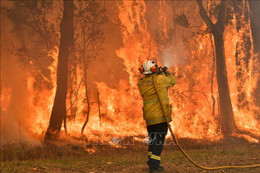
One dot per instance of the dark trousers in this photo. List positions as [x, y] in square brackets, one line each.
[157, 134]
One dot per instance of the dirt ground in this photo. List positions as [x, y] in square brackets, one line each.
[130, 159]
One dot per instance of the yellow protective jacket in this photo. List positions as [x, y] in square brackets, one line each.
[152, 111]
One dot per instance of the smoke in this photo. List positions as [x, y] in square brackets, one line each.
[173, 56]
[14, 117]
[16, 100]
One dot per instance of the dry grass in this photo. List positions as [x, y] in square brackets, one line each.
[73, 158]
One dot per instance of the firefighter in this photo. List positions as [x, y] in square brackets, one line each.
[152, 110]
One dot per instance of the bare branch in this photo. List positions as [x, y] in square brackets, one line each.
[205, 17]
[76, 95]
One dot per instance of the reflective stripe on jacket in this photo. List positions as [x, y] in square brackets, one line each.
[152, 111]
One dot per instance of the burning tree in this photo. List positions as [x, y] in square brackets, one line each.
[66, 42]
[88, 17]
[244, 52]
[217, 30]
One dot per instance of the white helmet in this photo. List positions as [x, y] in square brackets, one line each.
[148, 67]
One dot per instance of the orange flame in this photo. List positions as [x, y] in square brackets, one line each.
[121, 107]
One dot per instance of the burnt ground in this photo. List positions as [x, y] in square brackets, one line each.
[128, 157]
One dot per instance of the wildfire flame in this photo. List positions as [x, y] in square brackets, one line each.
[121, 107]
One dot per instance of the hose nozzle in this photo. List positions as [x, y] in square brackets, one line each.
[162, 70]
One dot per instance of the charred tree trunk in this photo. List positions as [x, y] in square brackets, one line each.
[226, 111]
[217, 29]
[255, 26]
[66, 42]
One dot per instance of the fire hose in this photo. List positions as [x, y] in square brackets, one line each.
[182, 150]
